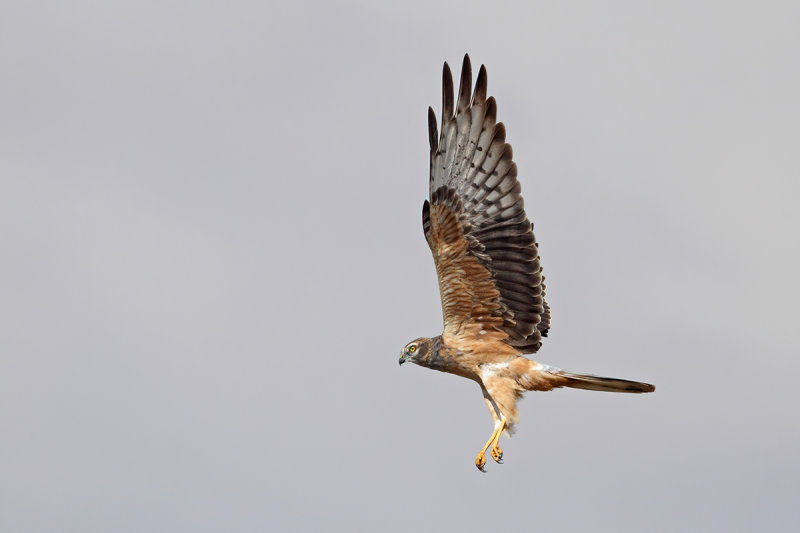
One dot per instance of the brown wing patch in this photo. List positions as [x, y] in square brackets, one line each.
[470, 300]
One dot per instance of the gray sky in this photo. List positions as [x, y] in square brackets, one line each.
[212, 256]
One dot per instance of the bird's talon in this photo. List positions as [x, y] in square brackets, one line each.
[480, 461]
[497, 454]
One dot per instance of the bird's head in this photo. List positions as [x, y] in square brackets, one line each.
[415, 350]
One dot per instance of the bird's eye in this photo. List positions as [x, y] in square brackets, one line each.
[412, 349]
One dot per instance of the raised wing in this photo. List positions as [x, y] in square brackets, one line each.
[483, 245]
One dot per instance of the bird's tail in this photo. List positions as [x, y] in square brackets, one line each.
[563, 378]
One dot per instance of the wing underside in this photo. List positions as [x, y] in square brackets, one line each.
[486, 256]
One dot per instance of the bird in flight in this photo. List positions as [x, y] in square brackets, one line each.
[487, 261]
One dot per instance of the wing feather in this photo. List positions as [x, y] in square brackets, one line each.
[486, 255]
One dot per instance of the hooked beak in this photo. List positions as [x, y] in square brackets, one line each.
[402, 359]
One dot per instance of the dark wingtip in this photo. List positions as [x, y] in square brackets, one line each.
[491, 109]
[465, 84]
[479, 97]
[433, 134]
[447, 93]
[500, 132]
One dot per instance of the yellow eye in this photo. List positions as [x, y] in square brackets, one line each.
[412, 349]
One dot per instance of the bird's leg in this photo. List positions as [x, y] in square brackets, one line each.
[497, 451]
[480, 461]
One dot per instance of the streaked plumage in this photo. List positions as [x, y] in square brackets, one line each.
[487, 262]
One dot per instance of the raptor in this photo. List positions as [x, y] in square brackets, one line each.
[487, 261]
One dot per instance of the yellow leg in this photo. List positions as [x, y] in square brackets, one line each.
[480, 461]
[497, 451]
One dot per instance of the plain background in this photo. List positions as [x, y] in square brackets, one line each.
[212, 255]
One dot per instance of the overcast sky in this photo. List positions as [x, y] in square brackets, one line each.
[212, 255]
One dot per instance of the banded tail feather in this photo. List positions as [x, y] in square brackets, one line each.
[596, 383]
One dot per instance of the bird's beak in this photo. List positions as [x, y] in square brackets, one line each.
[402, 359]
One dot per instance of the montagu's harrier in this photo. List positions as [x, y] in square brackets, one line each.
[487, 261]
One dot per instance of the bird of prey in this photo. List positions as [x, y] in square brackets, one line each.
[487, 261]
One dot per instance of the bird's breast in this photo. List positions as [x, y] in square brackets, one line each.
[458, 362]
